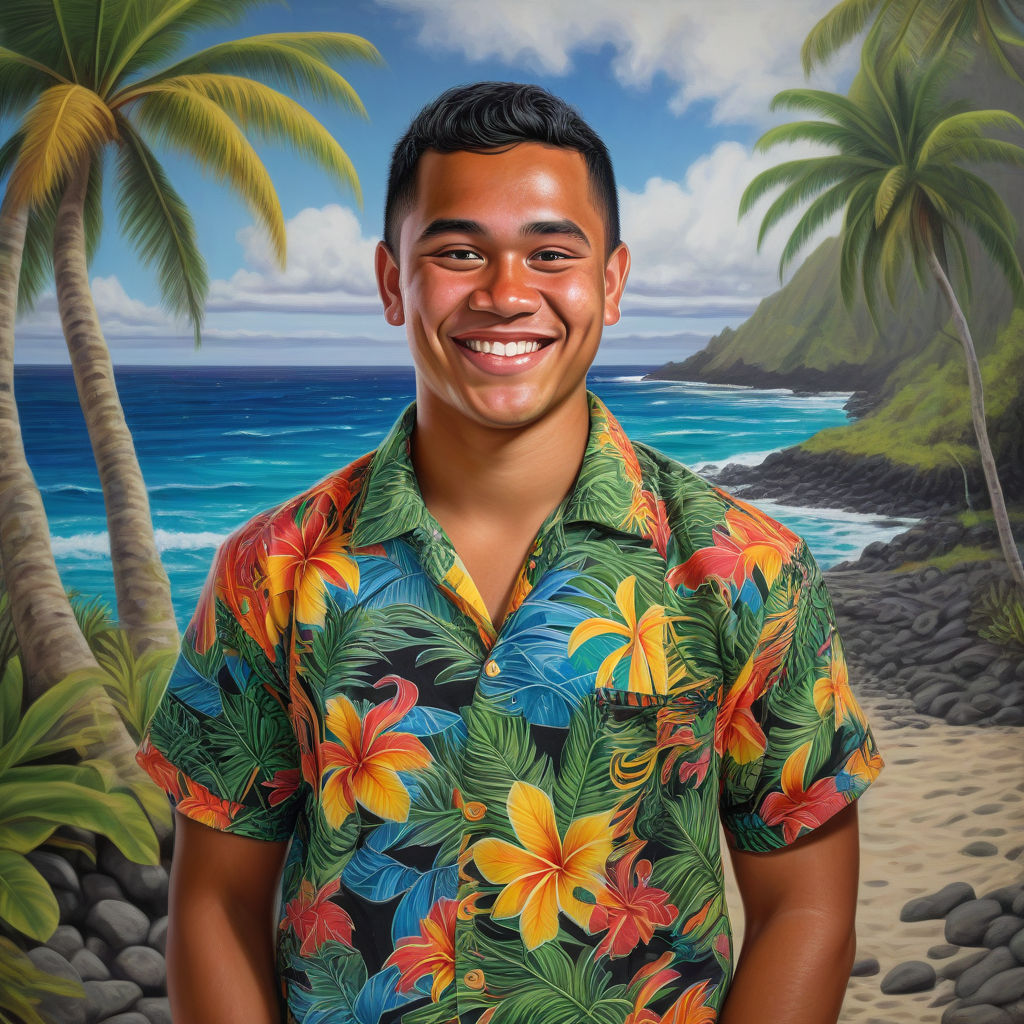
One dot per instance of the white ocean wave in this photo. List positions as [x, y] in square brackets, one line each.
[740, 459]
[93, 545]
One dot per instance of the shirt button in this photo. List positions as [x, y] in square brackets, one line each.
[491, 668]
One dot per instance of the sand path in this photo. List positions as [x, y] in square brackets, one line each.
[943, 787]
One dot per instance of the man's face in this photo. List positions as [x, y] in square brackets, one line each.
[502, 282]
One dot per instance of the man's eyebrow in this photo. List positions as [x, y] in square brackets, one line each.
[557, 227]
[444, 225]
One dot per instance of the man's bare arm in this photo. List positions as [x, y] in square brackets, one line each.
[220, 938]
[799, 906]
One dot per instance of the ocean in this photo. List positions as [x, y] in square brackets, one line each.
[217, 445]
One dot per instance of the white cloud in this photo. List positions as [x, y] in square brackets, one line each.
[329, 269]
[735, 53]
[690, 255]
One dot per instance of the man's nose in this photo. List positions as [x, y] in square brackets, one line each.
[507, 290]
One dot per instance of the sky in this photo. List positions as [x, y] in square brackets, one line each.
[679, 90]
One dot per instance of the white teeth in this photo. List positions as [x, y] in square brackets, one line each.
[498, 348]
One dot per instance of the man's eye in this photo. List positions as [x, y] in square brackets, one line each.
[550, 256]
[459, 254]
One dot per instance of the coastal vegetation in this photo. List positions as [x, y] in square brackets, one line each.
[85, 84]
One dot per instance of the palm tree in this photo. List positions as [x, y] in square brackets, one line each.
[81, 73]
[899, 173]
[925, 26]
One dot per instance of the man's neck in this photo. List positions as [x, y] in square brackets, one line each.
[498, 475]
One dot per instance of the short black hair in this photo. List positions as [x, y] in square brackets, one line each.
[491, 115]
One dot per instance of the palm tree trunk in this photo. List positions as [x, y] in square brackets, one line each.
[988, 462]
[50, 643]
[143, 592]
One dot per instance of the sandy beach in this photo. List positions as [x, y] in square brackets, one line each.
[944, 787]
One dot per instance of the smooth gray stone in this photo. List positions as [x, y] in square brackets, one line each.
[105, 998]
[1002, 988]
[1016, 946]
[157, 937]
[89, 966]
[943, 951]
[993, 963]
[58, 1009]
[976, 1015]
[97, 886]
[937, 904]
[144, 966]
[55, 869]
[145, 883]
[1002, 929]
[911, 976]
[980, 848]
[156, 1009]
[65, 940]
[70, 904]
[1018, 904]
[120, 924]
[96, 945]
[955, 968]
[966, 924]
[1005, 895]
[866, 968]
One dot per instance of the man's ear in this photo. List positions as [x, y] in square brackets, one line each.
[386, 269]
[615, 273]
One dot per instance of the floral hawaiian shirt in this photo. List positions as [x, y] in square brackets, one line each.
[514, 825]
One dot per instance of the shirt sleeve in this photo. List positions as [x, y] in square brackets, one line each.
[795, 745]
[221, 744]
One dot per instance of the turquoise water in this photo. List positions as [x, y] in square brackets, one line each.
[219, 444]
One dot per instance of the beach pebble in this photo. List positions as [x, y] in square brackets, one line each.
[992, 964]
[144, 883]
[937, 904]
[865, 968]
[157, 937]
[97, 886]
[976, 1015]
[142, 965]
[943, 951]
[911, 976]
[105, 998]
[119, 924]
[957, 967]
[1002, 988]
[980, 848]
[1001, 930]
[89, 966]
[156, 1010]
[70, 905]
[55, 869]
[65, 940]
[963, 714]
[97, 946]
[1016, 946]
[1018, 904]
[53, 1008]
[966, 923]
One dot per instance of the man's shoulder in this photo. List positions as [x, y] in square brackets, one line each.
[327, 507]
[708, 522]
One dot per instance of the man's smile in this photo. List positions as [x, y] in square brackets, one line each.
[505, 344]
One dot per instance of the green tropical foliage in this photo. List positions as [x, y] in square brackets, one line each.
[902, 172]
[23, 986]
[998, 615]
[922, 27]
[82, 76]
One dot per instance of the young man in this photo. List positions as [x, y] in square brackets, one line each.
[485, 694]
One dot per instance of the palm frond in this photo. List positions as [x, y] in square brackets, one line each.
[824, 133]
[815, 217]
[22, 79]
[65, 125]
[961, 137]
[858, 222]
[840, 109]
[195, 124]
[154, 30]
[157, 223]
[296, 61]
[268, 114]
[835, 29]
[889, 191]
[815, 173]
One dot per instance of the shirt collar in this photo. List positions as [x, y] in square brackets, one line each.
[608, 490]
